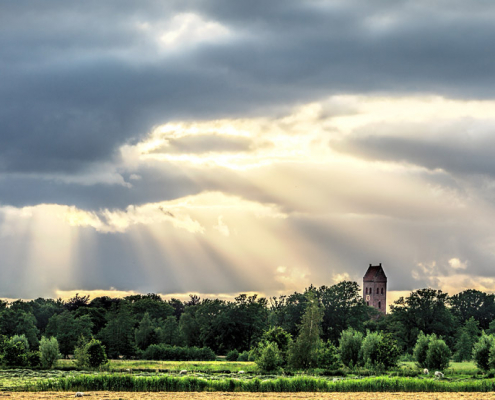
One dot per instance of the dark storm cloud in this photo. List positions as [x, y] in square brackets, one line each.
[457, 153]
[206, 144]
[81, 79]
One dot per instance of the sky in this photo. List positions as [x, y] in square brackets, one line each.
[220, 147]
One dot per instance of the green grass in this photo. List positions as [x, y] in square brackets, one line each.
[175, 366]
[167, 383]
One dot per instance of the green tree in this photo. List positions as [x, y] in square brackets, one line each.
[169, 332]
[118, 334]
[423, 310]
[15, 354]
[370, 349]
[49, 352]
[20, 339]
[481, 351]
[96, 354]
[350, 347]
[269, 359]
[145, 334]
[466, 339]
[303, 353]
[388, 351]
[421, 348]
[279, 336]
[67, 329]
[474, 304]
[343, 307]
[329, 356]
[438, 355]
[26, 325]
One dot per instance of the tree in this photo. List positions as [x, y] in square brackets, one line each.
[438, 355]
[118, 334]
[474, 304]
[420, 349]
[96, 354]
[269, 359]
[169, 332]
[304, 351]
[388, 351]
[328, 356]
[343, 308]
[279, 336]
[423, 310]
[370, 349]
[67, 329]
[49, 352]
[350, 347]
[145, 334]
[15, 353]
[26, 325]
[481, 351]
[466, 339]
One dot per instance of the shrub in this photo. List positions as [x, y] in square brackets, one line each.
[49, 352]
[388, 351]
[34, 359]
[232, 355]
[438, 355]
[96, 354]
[350, 347]
[269, 359]
[175, 353]
[370, 348]
[329, 357]
[481, 351]
[420, 349]
[15, 354]
[244, 356]
[21, 339]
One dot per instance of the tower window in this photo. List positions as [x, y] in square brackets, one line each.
[377, 291]
[367, 303]
[379, 304]
[366, 290]
[382, 290]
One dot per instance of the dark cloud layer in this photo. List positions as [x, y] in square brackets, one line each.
[79, 81]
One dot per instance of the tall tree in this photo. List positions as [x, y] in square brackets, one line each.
[67, 329]
[118, 334]
[304, 351]
[423, 310]
[473, 303]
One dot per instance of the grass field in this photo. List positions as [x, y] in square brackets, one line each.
[251, 396]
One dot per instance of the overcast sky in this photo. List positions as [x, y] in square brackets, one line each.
[219, 146]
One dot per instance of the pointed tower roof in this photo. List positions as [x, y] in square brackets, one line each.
[375, 273]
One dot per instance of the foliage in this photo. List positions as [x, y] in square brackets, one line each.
[167, 352]
[423, 310]
[15, 354]
[328, 356]
[350, 347]
[370, 349]
[20, 339]
[438, 355]
[421, 349]
[232, 355]
[145, 334]
[388, 351]
[244, 356]
[303, 353]
[269, 359]
[49, 352]
[96, 354]
[67, 329]
[481, 351]
[466, 339]
[473, 304]
[118, 334]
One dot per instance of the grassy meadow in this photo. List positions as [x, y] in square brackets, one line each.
[211, 376]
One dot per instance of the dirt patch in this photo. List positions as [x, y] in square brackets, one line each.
[247, 396]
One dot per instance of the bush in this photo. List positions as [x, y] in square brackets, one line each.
[15, 354]
[21, 339]
[438, 355]
[49, 352]
[421, 348]
[96, 354]
[350, 347]
[175, 353]
[232, 355]
[329, 357]
[34, 359]
[370, 348]
[481, 351]
[244, 356]
[269, 359]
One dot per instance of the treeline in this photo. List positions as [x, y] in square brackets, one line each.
[129, 326]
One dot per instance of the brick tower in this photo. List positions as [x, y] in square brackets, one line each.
[375, 288]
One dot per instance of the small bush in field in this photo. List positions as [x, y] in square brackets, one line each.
[244, 356]
[49, 352]
[270, 358]
[96, 354]
[232, 355]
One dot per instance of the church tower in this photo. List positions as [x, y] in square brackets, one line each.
[375, 288]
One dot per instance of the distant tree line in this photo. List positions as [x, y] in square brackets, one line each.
[127, 327]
